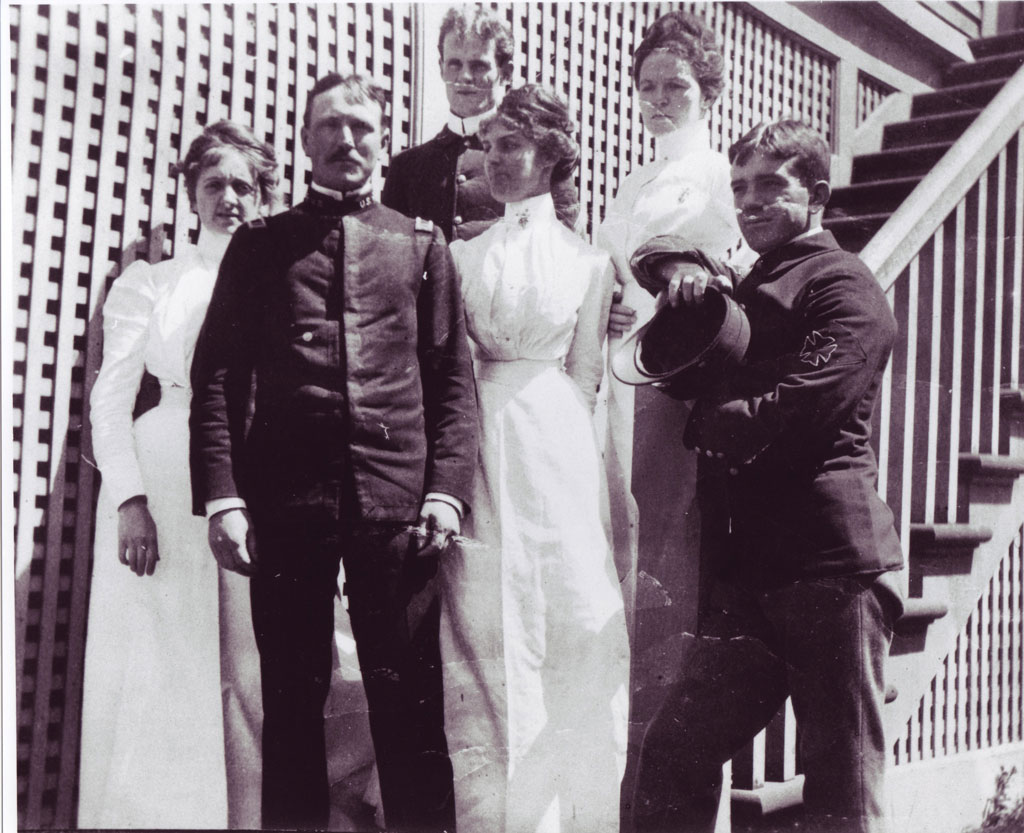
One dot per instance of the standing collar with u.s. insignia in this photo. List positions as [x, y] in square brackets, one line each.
[337, 202]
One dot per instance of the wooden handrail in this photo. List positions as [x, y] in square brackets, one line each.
[908, 229]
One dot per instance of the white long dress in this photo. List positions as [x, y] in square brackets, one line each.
[533, 636]
[171, 702]
[685, 192]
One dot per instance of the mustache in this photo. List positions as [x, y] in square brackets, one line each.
[343, 155]
[470, 85]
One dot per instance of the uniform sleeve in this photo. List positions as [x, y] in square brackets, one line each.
[449, 392]
[845, 332]
[126, 317]
[585, 361]
[222, 374]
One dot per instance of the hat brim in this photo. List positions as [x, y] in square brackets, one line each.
[718, 347]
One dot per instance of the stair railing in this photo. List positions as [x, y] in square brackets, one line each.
[950, 261]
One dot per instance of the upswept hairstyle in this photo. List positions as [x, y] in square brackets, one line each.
[482, 23]
[357, 87]
[784, 140]
[688, 37]
[543, 118]
[205, 151]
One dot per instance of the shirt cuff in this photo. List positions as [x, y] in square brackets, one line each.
[453, 502]
[222, 504]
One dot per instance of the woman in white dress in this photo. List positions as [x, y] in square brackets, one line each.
[533, 636]
[171, 703]
[678, 73]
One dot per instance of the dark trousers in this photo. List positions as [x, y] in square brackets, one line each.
[395, 620]
[824, 642]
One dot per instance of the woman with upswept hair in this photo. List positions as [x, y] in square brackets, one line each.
[534, 641]
[171, 709]
[684, 194]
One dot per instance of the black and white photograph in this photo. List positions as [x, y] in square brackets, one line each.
[513, 417]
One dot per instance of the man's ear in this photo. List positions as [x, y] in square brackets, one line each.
[304, 137]
[505, 73]
[819, 192]
[385, 138]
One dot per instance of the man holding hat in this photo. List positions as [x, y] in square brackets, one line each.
[802, 597]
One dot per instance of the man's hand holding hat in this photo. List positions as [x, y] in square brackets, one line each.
[686, 281]
[691, 341]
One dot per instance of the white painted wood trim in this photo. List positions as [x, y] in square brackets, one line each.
[907, 230]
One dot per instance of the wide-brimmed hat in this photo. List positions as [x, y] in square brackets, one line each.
[689, 345]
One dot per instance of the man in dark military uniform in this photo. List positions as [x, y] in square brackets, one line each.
[443, 179]
[803, 596]
[346, 319]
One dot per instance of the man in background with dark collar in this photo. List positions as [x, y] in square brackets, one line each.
[801, 548]
[348, 318]
[443, 179]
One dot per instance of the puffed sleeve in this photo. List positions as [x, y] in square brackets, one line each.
[584, 362]
[126, 316]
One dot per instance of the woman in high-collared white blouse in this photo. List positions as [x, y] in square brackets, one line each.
[171, 700]
[533, 636]
[678, 73]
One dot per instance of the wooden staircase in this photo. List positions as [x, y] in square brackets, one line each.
[947, 562]
[880, 181]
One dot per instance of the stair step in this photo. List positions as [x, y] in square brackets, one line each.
[771, 798]
[898, 163]
[990, 469]
[884, 196]
[994, 66]
[947, 127]
[954, 99]
[942, 550]
[918, 614]
[910, 631]
[1011, 400]
[997, 44]
[853, 233]
[940, 539]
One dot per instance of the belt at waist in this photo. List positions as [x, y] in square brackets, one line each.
[515, 371]
[174, 396]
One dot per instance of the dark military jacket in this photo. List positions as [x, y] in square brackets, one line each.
[786, 438]
[443, 180]
[347, 320]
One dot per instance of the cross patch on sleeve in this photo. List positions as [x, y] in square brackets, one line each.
[817, 349]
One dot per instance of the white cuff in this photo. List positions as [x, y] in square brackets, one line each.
[222, 504]
[453, 502]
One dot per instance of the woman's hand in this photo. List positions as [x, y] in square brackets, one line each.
[621, 318]
[136, 536]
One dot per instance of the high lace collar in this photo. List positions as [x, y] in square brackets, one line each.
[693, 136]
[211, 246]
[468, 126]
[529, 211]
